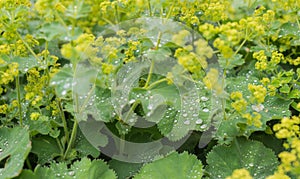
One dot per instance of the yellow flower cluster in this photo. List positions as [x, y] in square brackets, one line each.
[186, 12]
[208, 30]
[190, 60]
[13, 3]
[203, 50]
[181, 38]
[34, 87]
[107, 68]
[45, 7]
[215, 10]
[294, 62]
[258, 93]
[239, 103]
[253, 119]
[3, 108]
[53, 106]
[9, 74]
[276, 58]
[80, 48]
[232, 32]
[132, 47]
[224, 47]
[289, 129]
[211, 81]
[240, 174]
[34, 116]
[287, 4]
[278, 176]
[261, 64]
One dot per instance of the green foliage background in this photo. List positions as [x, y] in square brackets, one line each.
[257, 45]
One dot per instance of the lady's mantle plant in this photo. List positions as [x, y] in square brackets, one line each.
[245, 66]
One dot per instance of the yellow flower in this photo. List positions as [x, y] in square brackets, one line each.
[240, 174]
[211, 81]
[67, 50]
[278, 176]
[236, 95]
[239, 105]
[107, 68]
[253, 120]
[3, 108]
[34, 116]
[60, 7]
[298, 105]
[258, 93]
[15, 103]
[169, 78]
[265, 81]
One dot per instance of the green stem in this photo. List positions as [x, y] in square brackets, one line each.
[46, 61]
[150, 73]
[223, 100]
[117, 14]
[158, 40]
[239, 48]
[152, 61]
[149, 8]
[63, 118]
[19, 99]
[122, 144]
[132, 108]
[72, 139]
[156, 83]
[28, 163]
[60, 146]
[27, 46]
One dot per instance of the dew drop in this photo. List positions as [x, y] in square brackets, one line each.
[203, 126]
[64, 92]
[71, 173]
[131, 101]
[204, 98]
[205, 110]
[199, 121]
[187, 122]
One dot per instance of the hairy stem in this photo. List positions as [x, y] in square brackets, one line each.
[19, 99]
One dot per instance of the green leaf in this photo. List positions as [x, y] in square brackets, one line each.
[90, 129]
[45, 148]
[100, 169]
[229, 63]
[242, 153]
[275, 108]
[62, 81]
[50, 31]
[295, 93]
[80, 169]
[103, 104]
[77, 10]
[14, 148]
[25, 63]
[84, 147]
[124, 169]
[39, 126]
[235, 125]
[174, 165]
[285, 89]
[289, 29]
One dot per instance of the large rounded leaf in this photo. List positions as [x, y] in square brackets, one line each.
[259, 160]
[175, 166]
[14, 148]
